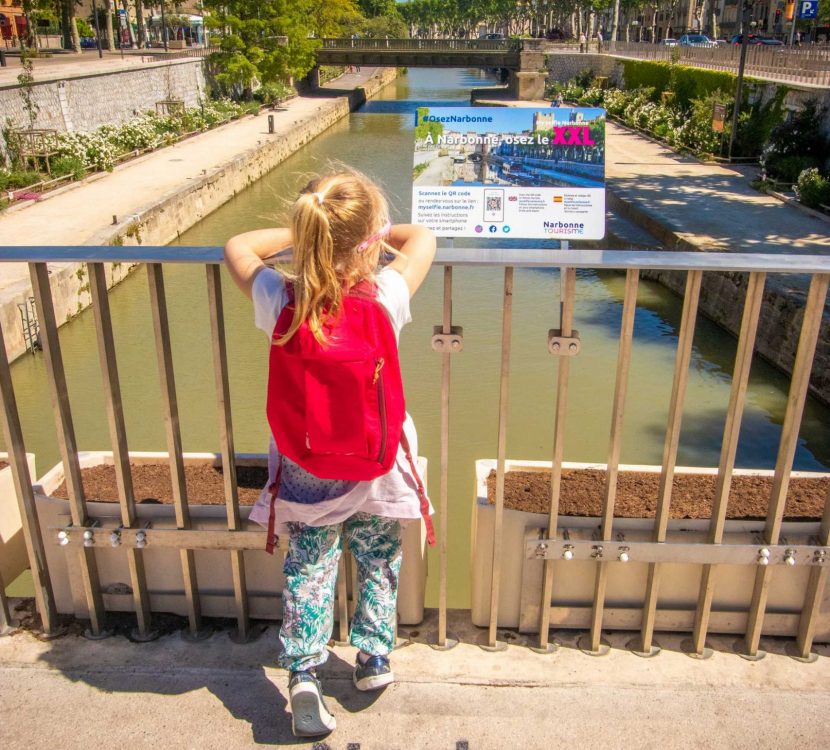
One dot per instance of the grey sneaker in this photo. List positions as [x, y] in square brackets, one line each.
[309, 715]
[374, 674]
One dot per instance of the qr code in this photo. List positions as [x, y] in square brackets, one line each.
[494, 203]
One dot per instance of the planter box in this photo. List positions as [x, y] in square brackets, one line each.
[13, 556]
[573, 581]
[163, 566]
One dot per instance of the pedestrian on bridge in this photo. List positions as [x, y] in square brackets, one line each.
[341, 453]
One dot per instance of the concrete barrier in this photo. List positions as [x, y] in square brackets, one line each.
[264, 576]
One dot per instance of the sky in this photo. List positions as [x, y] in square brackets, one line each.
[507, 119]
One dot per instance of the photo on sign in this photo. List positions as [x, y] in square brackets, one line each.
[519, 171]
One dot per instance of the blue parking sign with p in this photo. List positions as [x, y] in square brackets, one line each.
[808, 9]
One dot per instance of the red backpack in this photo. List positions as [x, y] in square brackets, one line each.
[337, 409]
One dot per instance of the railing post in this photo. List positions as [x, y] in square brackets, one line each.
[681, 374]
[615, 442]
[729, 447]
[13, 439]
[568, 292]
[506, 328]
[164, 355]
[220, 373]
[67, 444]
[118, 438]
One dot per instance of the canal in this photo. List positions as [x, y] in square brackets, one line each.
[378, 140]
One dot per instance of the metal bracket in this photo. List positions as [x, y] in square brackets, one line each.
[563, 346]
[447, 343]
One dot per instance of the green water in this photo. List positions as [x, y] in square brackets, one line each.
[378, 140]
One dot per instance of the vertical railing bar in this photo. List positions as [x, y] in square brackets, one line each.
[446, 328]
[729, 447]
[632, 278]
[13, 439]
[164, 354]
[815, 591]
[66, 439]
[679, 380]
[568, 291]
[220, 371]
[504, 376]
[118, 438]
[799, 384]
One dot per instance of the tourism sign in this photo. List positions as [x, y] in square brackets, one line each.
[808, 9]
[519, 172]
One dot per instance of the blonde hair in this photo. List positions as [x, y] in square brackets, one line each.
[330, 222]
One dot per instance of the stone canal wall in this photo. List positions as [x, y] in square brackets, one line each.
[83, 102]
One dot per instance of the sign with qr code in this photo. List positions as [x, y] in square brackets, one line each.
[519, 172]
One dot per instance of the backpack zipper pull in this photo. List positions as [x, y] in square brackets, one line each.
[378, 367]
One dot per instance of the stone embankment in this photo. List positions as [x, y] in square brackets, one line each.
[151, 201]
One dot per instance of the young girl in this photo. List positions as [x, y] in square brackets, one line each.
[339, 227]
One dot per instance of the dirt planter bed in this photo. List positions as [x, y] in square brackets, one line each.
[525, 519]
[203, 474]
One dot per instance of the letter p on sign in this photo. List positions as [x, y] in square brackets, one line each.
[808, 9]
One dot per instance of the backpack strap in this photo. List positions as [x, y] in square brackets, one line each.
[274, 489]
[422, 495]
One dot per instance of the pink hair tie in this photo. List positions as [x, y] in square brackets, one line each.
[380, 234]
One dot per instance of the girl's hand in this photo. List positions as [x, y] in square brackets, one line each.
[418, 245]
[244, 254]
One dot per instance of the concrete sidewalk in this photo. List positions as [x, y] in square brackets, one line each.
[73, 693]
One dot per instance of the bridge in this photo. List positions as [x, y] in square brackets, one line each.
[523, 59]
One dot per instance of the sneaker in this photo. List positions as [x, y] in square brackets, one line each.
[372, 674]
[309, 715]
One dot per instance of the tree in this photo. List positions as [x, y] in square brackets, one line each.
[71, 38]
[261, 42]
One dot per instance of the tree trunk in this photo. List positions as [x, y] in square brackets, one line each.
[108, 25]
[139, 20]
[615, 22]
[71, 38]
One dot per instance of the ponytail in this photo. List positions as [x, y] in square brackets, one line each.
[331, 218]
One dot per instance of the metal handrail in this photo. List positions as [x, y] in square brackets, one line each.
[444, 342]
[435, 45]
[456, 256]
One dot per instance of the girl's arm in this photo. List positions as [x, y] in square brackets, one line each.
[244, 254]
[417, 244]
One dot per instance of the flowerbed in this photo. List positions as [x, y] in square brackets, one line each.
[79, 153]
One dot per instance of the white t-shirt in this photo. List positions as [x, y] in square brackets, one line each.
[393, 495]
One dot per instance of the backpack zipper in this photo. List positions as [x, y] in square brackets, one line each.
[377, 380]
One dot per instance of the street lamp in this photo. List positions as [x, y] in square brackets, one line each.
[739, 89]
[97, 28]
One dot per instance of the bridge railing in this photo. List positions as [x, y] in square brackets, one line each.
[805, 65]
[799, 558]
[423, 45]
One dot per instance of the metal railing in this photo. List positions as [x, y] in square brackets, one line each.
[446, 341]
[805, 65]
[424, 45]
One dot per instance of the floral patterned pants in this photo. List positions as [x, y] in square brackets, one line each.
[311, 573]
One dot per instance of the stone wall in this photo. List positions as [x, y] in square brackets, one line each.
[562, 67]
[85, 102]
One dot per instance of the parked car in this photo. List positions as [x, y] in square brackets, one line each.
[755, 39]
[695, 40]
[88, 42]
[494, 36]
[669, 42]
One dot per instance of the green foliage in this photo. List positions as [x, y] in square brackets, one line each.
[84, 29]
[689, 84]
[812, 189]
[68, 165]
[799, 137]
[645, 74]
[391, 25]
[276, 92]
[18, 178]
